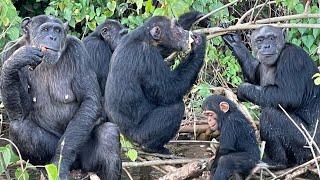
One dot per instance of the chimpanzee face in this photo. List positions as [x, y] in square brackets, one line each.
[212, 118]
[169, 34]
[48, 34]
[112, 32]
[267, 44]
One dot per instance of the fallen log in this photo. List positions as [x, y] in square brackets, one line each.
[190, 170]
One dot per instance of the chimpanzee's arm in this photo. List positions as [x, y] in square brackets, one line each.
[249, 65]
[13, 81]
[86, 90]
[168, 87]
[293, 82]
[187, 19]
[227, 142]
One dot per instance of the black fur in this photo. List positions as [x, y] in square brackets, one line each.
[238, 151]
[291, 87]
[101, 48]
[53, 110]
[143, 96]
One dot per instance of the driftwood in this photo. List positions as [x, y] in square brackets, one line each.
[190, 170]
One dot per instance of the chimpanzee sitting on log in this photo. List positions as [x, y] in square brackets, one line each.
[53, 102]
[280, 73]
[143, 95]
[238, 152]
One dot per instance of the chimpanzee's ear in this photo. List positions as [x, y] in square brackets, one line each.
[155, 33]
[284, 33]
[224, 106]
[104, 32]
[25, 25]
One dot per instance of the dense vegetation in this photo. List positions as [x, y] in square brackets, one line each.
[221, 68]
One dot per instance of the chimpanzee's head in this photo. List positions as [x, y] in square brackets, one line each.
[267, 43]
[47, 33]
[168, 34]
[112, 32]
[216, 108]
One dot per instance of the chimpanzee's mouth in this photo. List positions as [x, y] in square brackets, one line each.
[45, 48]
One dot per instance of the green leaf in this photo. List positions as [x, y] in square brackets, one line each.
[132, 154]
[52, 171]
[13, 33]
[6, 153]
[21, 175]
[67, 14]
[317, 81]
[308, 40]
[159, 12]
[112, 5]
[299, 8]
[316, 75]
[149, 7]
[92, 25]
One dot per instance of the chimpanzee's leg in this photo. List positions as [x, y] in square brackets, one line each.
[102, 153]
[229, 164]
[158, 127]
[35, 144]
[284, 142]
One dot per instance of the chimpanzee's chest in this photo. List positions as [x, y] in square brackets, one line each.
[267, 75]
[47, 87]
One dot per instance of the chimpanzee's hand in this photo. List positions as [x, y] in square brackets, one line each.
[27, 55]
[206, 22]
[242, 91]
[233, 40]
[199, 41]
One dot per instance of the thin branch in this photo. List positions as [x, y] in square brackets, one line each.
[285, 18]
[217, 31]
[128, 173]
[252, 9]
[215, 11]
[159, 162]
[255, 18]
[296, 168]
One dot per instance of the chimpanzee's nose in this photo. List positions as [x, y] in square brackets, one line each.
[53, 38]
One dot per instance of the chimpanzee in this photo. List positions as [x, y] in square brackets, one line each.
[279, 74]
[53, 103]
[100, 45]
[238, 151]
[143, 96]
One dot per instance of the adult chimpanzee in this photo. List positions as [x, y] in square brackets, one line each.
[53, 109]
[143, 96]
[279, 74]
[100, 45]
[238, 151]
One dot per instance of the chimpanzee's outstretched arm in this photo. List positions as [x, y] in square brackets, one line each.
[187, 19]
[249, 65]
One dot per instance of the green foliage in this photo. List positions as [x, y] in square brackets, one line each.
[127, 146]
[10, 158]
[316, 78]
[52, 171]
[9, 22]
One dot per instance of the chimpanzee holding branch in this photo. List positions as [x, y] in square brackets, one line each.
[143, 96]
[101, 43]
[238, 152]
[280, 73]
[53, 102]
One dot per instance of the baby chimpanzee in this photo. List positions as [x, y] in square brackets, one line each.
[238, 151]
